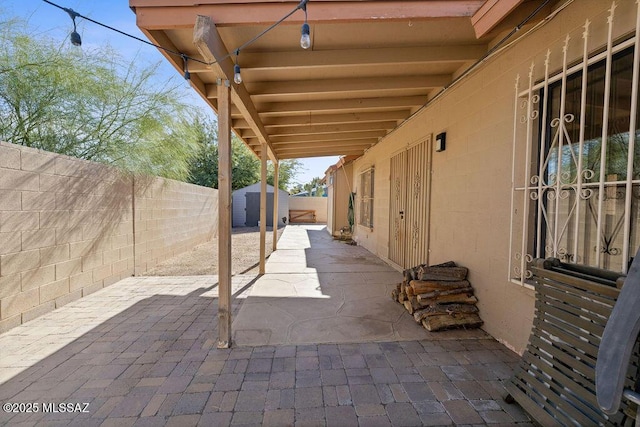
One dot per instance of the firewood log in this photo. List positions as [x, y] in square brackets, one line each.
[411, 305]
[445, 299]
[424, 286]
[394, 294]
[442, 292]
[450, 274]
[445, 321]
[420, 314]
[449, 309]
[443, 265]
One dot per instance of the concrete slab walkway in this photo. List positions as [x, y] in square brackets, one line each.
[142, 353]
[319, 290]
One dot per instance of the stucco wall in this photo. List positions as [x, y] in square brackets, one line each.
[338, 199]
[471, 180]
[319, 204]
[67, 228]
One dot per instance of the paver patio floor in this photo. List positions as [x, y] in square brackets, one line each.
[142, 352]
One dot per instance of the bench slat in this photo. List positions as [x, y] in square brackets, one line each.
[555, 381]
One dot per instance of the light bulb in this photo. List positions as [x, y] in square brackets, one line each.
[237, 78]
[185, 65]
[75, 38]
[305, 40]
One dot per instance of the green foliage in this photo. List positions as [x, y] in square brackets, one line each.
[203, 167]
[313, 188]
[92, 106]
[298, 188]
[245, 166]
[286, 172]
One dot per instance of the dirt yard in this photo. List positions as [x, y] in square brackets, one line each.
[203, 259]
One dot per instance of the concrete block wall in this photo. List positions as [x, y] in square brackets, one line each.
[67, 228]
[171, 217]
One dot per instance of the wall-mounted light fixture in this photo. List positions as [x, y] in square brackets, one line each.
[441, 141]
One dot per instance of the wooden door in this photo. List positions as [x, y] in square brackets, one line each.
[409, 205]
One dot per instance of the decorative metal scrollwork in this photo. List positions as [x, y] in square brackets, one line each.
[396, 230]
[417, 185]
[587, 174]
[586, 193]
[517, 270]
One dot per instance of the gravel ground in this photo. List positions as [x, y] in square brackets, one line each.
[203, 259]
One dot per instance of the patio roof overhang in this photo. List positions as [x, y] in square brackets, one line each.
[371, 65]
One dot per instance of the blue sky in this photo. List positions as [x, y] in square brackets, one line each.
[52, 22]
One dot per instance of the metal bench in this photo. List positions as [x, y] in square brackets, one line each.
[555, 381]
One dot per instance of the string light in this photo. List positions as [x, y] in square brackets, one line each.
[74, 36]
[76, 40]
[187, 74]
[305, 39]
[237, 77]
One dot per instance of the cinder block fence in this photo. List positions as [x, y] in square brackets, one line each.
[70, 227]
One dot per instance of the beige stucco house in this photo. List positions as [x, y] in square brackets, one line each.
[477, 126]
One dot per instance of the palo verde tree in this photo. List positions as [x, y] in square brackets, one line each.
[92, 105]
[245, 166]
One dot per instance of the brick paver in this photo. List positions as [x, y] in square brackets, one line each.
[149, 358]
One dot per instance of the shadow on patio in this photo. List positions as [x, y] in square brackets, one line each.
[142, 352]
[319, 290]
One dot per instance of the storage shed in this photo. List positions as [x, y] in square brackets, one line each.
[246, 206]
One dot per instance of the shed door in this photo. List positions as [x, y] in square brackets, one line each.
[253, 209]
[409, 204]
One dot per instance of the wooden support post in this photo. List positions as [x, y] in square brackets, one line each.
[263, 207]
[276, 190]
[224, 214]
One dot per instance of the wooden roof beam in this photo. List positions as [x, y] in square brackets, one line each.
[330, 136]
[333, 143]
[320, 153]
[331, 128]
[320, 119]
[345, 105]
[362, 57]
[210, 45]
[263, 90]
[491, 14]
[159, 14]
[161, 39]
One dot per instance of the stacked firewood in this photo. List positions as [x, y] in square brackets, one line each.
[438, 296]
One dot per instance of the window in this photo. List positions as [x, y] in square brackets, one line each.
[579, 197]
[366, 199]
